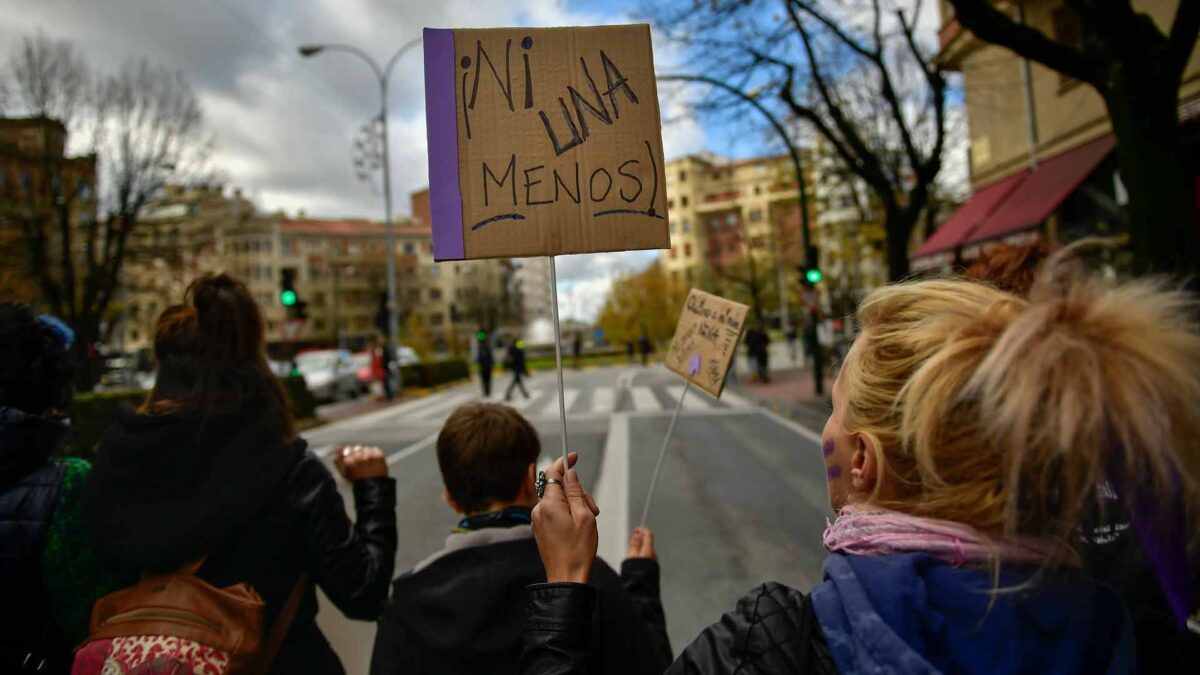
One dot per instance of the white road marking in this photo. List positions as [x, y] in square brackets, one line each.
[413, 448]
[549, 407]
[604, 400]
[696, 399]
[612, 493]
[736, 400]
[644, 400]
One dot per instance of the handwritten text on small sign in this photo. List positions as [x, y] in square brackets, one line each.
[709, 329]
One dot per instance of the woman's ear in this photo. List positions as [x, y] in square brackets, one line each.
[864, 464]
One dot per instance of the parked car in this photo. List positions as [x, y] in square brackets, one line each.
[406, 356]
[330, 374]
[362, 368]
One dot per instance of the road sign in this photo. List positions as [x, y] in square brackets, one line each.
[290, 329]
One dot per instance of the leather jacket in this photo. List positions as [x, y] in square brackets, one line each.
[773, 630]
[169, 489]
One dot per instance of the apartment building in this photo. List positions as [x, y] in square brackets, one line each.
[719, 209]
[37, 178]
[1042, 166]
[340, 268]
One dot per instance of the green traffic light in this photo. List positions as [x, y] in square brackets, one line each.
[288, 298]
[481, 335]
[813, 275]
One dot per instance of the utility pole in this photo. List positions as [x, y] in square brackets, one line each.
[382, 75]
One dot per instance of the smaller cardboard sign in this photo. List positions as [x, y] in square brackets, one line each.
[706, 338]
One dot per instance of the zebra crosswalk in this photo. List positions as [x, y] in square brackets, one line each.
[543, 403]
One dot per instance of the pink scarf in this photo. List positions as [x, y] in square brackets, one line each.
[870, 531]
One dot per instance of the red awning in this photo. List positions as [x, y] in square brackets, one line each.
[1035, 199]
[963, 223]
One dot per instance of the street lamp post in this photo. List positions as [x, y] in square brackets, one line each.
[794, 153]
[382, 75]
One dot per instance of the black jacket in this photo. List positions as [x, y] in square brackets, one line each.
[463, 614]
[168, 489]
[772, 631]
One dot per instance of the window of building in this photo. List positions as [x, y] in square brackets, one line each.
[687, 225]
[731, 219]
[756, 215]
[687, 250]
[714, 222]
[670, 204]
[733, 248]
[133, 335]
[414, 295]
[683, 177]
[435, 271]
[319, 325]
[289, 246]
[758, 189]
[436, 319]
[319, 299]
[435, 294]
[683, 202]
[409, 248]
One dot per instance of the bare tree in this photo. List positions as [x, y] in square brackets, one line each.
[856, 72]
[139, 128]
[49, 78]
[1137, 70]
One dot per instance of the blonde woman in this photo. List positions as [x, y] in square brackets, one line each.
[970, 432]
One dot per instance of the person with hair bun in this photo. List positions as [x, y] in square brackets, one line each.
[49, 573]
[970, 435]
[210, 468]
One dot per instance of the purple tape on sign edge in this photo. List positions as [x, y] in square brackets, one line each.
[441, 124]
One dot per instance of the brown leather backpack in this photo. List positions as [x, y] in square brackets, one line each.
[176, 622]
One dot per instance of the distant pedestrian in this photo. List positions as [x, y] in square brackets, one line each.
[486, 360]
[381, 365]
[758, 345]
[577, 350]
[644, 346]
[514, 360]
[50, 573]
[793, 342]
[209, 480]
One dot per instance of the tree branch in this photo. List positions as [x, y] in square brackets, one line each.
[992, 25]
[1184, 31]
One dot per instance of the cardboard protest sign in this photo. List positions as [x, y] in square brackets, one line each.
[543, 141]
[706, 338]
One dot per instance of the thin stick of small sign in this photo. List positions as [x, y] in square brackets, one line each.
[693, 368]
[562, 404]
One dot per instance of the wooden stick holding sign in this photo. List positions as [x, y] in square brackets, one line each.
[543, 142]
[702, 350]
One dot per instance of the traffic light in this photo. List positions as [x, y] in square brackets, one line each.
[811, 271]
[287, 286]
[481, 335]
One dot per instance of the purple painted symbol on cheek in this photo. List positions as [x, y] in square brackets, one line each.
[827, 447]
[833, 472]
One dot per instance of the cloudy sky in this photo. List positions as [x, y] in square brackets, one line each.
[284, 125]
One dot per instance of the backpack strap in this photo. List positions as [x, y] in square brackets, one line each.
[279, 629]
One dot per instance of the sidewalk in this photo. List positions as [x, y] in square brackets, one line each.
[790, 394]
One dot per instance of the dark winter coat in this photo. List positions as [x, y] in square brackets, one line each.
[168, 489]
[49, 575]
[902, 614]
[462, 613]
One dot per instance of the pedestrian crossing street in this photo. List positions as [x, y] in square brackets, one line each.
[596, 401]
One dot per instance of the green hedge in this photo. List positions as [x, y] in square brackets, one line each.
[433, 373]
[91, 413]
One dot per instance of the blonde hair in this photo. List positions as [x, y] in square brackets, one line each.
[1006, 413]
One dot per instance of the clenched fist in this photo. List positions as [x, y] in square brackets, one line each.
[356, 462]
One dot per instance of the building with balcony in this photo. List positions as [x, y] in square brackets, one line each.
[1041, 151]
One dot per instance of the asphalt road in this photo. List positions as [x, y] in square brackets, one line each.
[741, 496]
